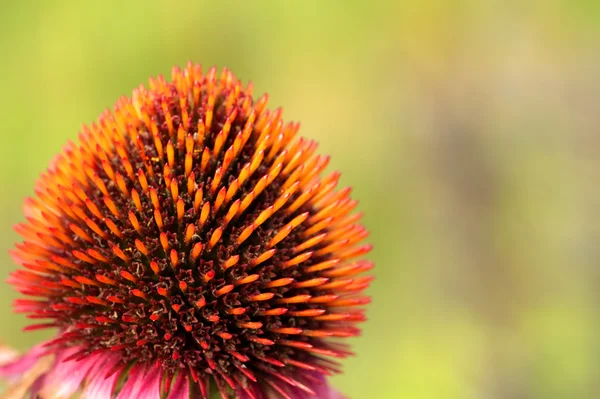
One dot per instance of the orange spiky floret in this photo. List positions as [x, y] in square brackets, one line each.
[189, 227]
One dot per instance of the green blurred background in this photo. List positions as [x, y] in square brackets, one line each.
[468, 129]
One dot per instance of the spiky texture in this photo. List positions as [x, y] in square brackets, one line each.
[191, 229]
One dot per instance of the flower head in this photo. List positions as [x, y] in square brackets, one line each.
[188, 240]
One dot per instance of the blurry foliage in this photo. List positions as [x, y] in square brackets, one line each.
[468, 129]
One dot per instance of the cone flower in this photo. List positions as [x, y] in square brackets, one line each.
[188, 245]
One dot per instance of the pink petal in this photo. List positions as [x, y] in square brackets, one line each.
[181, 388]
[20, 365]
[97, 385]
[66, 377]
[134, 384]
[326, 391]
[151, 386]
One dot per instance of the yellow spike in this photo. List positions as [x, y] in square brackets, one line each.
[322, 162]
[164, 241]
[100, 184]
[244, 174]
[277, 142]
[315, 228]
[332, 247]
[261, 104]
[196, 250]
[248, 128]
[111, 207]
[205, 159]
[189, 233]
[188, 163]
[128, 168]
[122, 185]
[209, 110]
[180, 136]
[328, 264]
[227, 158]
[141, 247]
[219, 141]
[219, 200]
[297, 260]
[154, 198]
[273, 173]
[108, 170]
[78, 211]
[184, 111]
[167, 176]
[95, 228]
[78, 192]
[279, 202]
[246, 202]
[344, 232]
[216, 181]
[158, 219]
[261, 185]
[287, 229]
[119, 253]
[233, 187]
[94, 209]
[347, 206]
[204, 214]
[174, 258]
[264, 215]
[293, 177]
[159, 147]
[263, 257]
[134, 222]
[191, 184]
[245, 234]
[237, 143]
[170, 154]
[325, 212]
[216, 236]
[324, 190]
[88, 170]
[246, 280]
[180, 209]
[309, 243]
[264, 127]
[174, 189]
[200, 134]
[342, 195]
[113, 227]
[280, 158]
[168, 117]
[197, 200]
[297, 221]
[301, 200]
[143, 180]
[256, 160]
[189, 144]
[97, 255]
[135, 198]
[348, 220]
[231, 213]
[283, 233]
[232, 261]
[282, 282]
